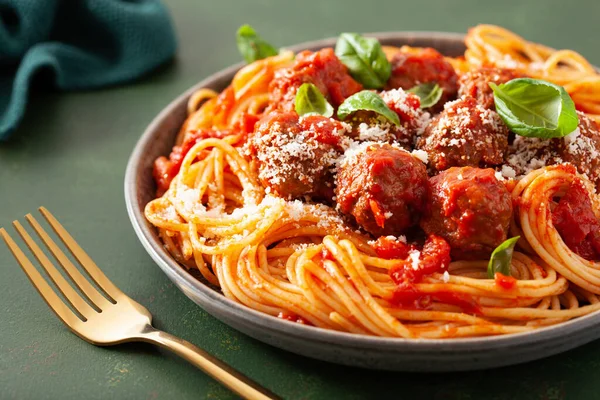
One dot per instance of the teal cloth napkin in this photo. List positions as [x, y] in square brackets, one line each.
[85, 44]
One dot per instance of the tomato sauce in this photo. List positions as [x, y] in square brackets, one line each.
[575, 221]
[435, 257]
[246, 123]
[324, 255]
[327, 130]
[505, 282]
[406, 115]
[390, 248]
[409, 297]
[321, 68]
[378, 213]
[425, 65]
[225, 103]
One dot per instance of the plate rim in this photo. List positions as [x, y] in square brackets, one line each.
[253, 317]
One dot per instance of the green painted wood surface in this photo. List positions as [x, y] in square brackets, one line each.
[70, 156]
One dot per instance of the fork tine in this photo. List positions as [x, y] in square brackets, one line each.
[82, 283]
[65, 288]
[86, 262]
[61, 310]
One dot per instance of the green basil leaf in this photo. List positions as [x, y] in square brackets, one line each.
[369, 101]
[429, 93]
[364, 58]
[310, 101]
[251, 46]
[501, 258]
[535, 108]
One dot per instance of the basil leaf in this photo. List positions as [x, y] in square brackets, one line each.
[429, 93]
[310, 101]
[535, 108]
[367, 100]
[251, 46]
[364, 58]
[501, 257]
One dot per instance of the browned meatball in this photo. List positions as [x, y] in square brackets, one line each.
[465, 134]
[470, 209]
[383, 187]
[370, 126]
[476, 83]
[321, 68]
[295, 155]
[580, 148]
[411, 68]
[526, 154]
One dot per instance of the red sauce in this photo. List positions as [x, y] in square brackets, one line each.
[411, 102]
[327, 130]
[225, 103]
[378, 213]
[388, 248]
[246, 123]
[424, 65]
[408, 296]
[321, 68]
[575, 221]
[505, 282]
[325, 254]
[435, 257]
[293, 318]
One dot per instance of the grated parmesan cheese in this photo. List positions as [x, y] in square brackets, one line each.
[446, 277]
[281, 153]
[527, 154]
[579, 144]
[413, 256]
[508, 172]
[420, 155]
[375, 133]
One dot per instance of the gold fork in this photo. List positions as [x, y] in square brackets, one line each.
[110, 317]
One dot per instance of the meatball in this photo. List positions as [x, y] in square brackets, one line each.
[476, 84]
[383, 187]
[465, 134]
[370, 126]
[321, 68]
[582, 148]
[295, 155]
[471, 209]
[411, 68]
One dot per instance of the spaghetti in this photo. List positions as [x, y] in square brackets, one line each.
[302, 260]
[493, 45]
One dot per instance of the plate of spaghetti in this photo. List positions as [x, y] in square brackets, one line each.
[411, 201]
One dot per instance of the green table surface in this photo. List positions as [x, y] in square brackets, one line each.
[70, 155]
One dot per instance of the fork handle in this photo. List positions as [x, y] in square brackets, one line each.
[229, 377]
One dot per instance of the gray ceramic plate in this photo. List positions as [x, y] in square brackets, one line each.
[343, 348]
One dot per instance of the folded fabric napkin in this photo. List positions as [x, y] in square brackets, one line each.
[85, 43]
